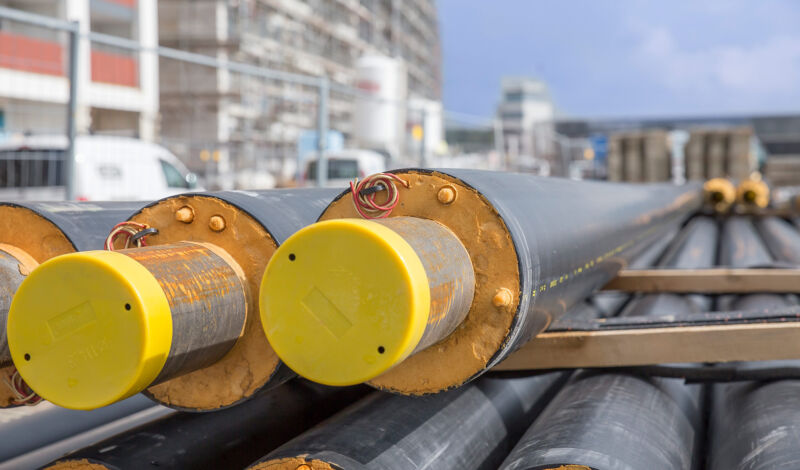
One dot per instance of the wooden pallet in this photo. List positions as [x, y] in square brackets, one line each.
[711, 337]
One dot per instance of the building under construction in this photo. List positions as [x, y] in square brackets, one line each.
[249, 116]
[423, 318]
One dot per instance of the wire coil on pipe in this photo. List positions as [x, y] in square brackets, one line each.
[364, 195]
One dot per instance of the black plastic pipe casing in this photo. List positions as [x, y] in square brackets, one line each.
[695, 247]
[85, 224]
[610, 303]
[754, 425]
[621, 421]
[470, 428]
[231, 438]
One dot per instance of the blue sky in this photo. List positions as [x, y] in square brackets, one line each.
[626, 58]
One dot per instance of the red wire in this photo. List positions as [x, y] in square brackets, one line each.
[109, 245]
[368, 203]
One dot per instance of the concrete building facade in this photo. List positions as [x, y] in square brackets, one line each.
[525, 114]
[249, 122]
[117, 89]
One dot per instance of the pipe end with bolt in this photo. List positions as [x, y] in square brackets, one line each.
[185, 214]
[216, 223]
[446, 195]
[502, 298]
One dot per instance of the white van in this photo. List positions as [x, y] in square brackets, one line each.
[106, 169]
[346, 165]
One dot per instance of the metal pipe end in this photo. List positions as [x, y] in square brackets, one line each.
[89, 329]
[343, 301]
[502, 298]
[753, 193]
[216, 223]
[720, 193]
[185, 214]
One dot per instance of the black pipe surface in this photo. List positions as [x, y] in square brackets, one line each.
[755, 425]
[25, 430]
[473, 427]
[611, 303]
[695, 247]
[782, 239]
[281, 212]
[231, 438]
[85, 224]
[622, 421]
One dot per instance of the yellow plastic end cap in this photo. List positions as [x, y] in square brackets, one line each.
[343, 301]
[753, 192]
[719, 191]
[89, 329]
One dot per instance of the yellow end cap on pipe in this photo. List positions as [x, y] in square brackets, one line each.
[343, 301]
[720, 192]
[89, 329]
[753, 192]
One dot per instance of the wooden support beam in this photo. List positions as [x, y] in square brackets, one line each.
[707, 281]
[634, 347]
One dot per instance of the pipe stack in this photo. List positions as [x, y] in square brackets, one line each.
[640, 157]
[33, 232]
[231, 438]
[177, 319]
[471, 428]
[713, 153]
[754, 425]
[609, 421]
[332, 289]
[610, 303]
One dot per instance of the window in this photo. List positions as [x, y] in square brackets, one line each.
[512, 115]
[110, 172]
[517, 96]
[337, 169]
[22, 168]
[175, 178]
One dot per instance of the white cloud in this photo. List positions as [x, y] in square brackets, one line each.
[769, 68]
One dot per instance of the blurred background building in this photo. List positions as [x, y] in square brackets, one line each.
[245, 93]
[231, 87]
[526, 114]
[260, 122]
[118, 89]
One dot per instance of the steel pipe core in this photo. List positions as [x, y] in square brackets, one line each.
[89, 329]
[343, 301]
[15, 264]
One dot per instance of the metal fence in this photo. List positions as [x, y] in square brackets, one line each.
[81, 107]
[90, 115]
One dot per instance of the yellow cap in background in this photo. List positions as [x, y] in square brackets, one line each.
[89, 329]
[720, 193]
[342, 301]
[753, 192]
